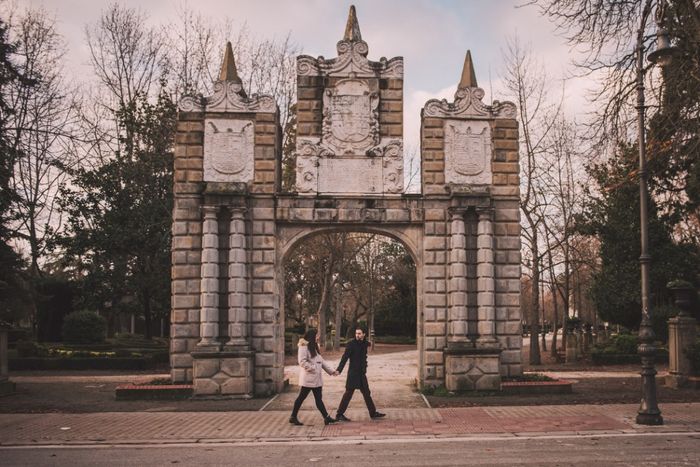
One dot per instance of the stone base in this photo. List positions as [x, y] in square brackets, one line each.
[472, 369]
[676, 381]
[228, 374]
[6, 387]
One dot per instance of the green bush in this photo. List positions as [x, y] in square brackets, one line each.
[84, 327]
[659, 320]
[126, 340]
[621, 344]
[31, 349]
[693, 354]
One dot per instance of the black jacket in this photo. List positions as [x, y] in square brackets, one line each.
[356, 351]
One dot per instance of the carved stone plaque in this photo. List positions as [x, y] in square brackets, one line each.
[468, 152]
[350, 175]
[228, 150]
[350, 118]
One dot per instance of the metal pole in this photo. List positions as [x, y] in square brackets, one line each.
[649, 413]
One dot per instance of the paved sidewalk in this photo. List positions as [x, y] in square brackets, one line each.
[391, 380]
[168, 427]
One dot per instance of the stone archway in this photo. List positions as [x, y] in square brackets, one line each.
[410, 236]
[233, 224]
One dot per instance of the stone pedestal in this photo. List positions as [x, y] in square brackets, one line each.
[6, 386]
[227, 374]
[587, 340]
[681, 334]
[572, 347]
[472, 369]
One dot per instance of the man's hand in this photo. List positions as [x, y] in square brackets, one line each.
[336, 373]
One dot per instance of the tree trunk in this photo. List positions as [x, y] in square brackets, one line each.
[544, 320]
[323, 305]
[147, 313]
[338, 324]
[535, 358]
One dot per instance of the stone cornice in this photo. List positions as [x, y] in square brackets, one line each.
[352, 60]
[228, 97]
[468, 104]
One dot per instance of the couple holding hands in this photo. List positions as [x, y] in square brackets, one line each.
[311, 365]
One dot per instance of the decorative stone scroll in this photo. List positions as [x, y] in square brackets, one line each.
[468, 152]
[352, 59]
[228, 150]
[228, 97]
[468, 104]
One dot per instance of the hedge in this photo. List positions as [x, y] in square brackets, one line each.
[601, 358]
[82, 363]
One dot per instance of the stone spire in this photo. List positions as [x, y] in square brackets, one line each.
[352, 28]
[468, 76]
[228, 66]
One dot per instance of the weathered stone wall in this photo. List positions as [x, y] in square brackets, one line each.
[191, 194]
[186, 243]
[505, 194]
[470, 182]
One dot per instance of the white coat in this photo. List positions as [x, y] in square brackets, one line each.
[310, 374]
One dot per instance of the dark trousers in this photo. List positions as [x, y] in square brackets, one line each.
[317, 396]
[364, 389]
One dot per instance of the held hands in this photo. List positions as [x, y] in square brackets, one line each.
[335, 373]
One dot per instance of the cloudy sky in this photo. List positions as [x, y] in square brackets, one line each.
[432, 36]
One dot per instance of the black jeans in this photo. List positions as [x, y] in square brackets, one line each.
[317, 396]
[364, 389]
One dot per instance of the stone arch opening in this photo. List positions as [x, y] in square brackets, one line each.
[385, 245]
[407, 236]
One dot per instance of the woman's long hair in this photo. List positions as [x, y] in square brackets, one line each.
[310, 337]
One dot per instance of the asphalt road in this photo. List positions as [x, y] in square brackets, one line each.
[633, 450]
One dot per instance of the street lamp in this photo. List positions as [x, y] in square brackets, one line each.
[649, 413]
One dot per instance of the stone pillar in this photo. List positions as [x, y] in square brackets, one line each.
[237, 283]
[681, 334]
[571, 347]
[209, 300]
[6, 386]
[486, 300]
[457, 320]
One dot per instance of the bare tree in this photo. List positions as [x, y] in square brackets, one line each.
[526, 82]
[125, 53]
[194, 48]
[42, 121]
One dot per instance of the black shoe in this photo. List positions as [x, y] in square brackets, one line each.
[295, 421]
[328, 420]
[342, 418]
[377, 415]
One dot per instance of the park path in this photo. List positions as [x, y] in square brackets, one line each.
[113, 428]
[391, 379]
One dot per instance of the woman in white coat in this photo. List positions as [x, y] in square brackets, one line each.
[311, 365]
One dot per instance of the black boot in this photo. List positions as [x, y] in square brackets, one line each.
[295, 421]
[341, 418]
[328, 420]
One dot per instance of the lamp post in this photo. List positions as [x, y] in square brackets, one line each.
[649, 413]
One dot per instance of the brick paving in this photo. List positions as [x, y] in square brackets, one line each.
[170, 427]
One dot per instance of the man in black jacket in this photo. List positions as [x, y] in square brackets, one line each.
[356, 351]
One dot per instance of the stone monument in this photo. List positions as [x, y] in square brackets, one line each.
[234, 226]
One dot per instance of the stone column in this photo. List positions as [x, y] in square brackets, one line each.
[237, 283]
[486, 289]
[6, 386]
[209, 288]
[457, 320]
